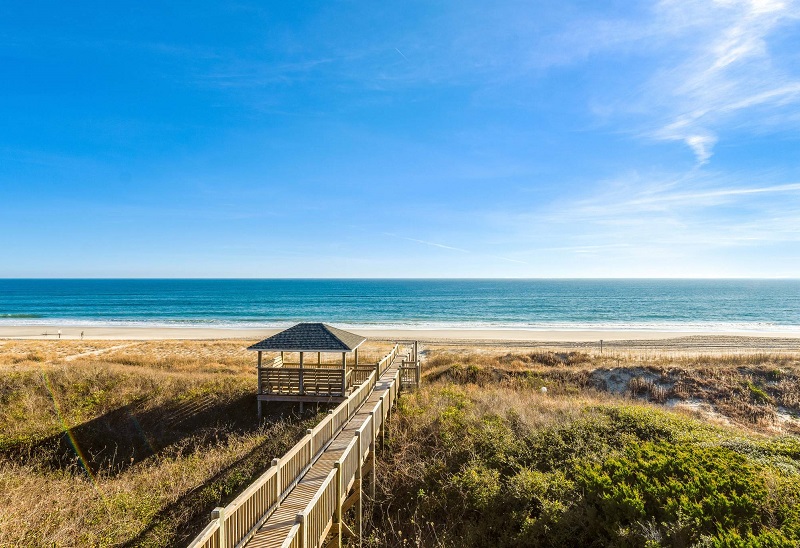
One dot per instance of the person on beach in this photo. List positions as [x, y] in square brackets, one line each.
[59, 333]
[81, 335]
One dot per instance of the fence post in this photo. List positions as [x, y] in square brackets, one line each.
[310, 434]
[374, 462]
[383, 423]
[218, 514]
[277, 480]
[359, 510]
[337, 516]
[301, 519]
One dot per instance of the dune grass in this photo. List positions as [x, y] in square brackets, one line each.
[130, 444]
[133, 443]
[480, 456]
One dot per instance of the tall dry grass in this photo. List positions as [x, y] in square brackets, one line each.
[756, 390]
[130, 444]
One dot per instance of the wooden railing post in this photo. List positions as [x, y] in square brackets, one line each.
[275, 463]
[218, 514]
[310, 434]
[359, 504]
[337, 516]
[372, 451]
[383, 423]
[344, 374]
[303, 534]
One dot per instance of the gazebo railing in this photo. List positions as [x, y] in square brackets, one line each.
[298, 381]
[288, 379]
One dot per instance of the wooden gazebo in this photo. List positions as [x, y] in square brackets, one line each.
[323, 381]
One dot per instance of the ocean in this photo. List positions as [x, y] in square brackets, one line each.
[681, 305]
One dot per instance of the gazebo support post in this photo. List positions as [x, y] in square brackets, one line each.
[258, 390]
[344, 373]
[301, 387]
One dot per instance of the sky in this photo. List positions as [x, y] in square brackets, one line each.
[400, 139]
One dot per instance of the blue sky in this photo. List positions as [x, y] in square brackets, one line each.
[400, 139]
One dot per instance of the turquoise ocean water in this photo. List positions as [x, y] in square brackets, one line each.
[702, 305]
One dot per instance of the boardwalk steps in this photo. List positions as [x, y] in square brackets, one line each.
[302, 497]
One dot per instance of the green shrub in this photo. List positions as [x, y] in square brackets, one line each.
[614, 475]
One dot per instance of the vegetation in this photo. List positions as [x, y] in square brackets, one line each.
[480, 456]
[133, 443]
[129, 444]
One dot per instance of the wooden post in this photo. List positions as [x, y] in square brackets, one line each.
[218, 514]
[359, 510]
[319, 358]
[301, 519]
[416, 347]
[275, 463]
[258, 377]
[418, 369]
[344, 373]
[383, 423]
[356, 357]
[300, 386]
[310, 433]
[372, 450]
[337, 515]
[258, 387]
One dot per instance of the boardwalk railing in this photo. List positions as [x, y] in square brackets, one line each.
[410, 373]
[233, 525]
[325, 510]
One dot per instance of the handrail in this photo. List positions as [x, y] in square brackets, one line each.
[208, 537]
[313, 523]
[235, 524]
[293, 538]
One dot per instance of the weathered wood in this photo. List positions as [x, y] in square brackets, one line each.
[309, 490]
[344, 372]
[218, 514]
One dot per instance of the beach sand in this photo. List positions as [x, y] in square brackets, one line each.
[664, 340]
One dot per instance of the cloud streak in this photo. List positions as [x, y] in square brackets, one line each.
[727, 68]
[452, 248]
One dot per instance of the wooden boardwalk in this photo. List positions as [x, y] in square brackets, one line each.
[300, 501]
[278, 528]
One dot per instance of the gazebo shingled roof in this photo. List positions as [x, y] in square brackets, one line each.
[311, 337]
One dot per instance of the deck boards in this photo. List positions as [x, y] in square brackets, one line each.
[277, 527]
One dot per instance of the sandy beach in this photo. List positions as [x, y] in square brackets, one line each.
[668, 340]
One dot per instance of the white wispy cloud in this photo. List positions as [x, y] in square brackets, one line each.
[725, 68]
[637, 198]
[426, 242]
[459, 249]
[678, 224]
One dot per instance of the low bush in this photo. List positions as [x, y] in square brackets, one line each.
[598, 474]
